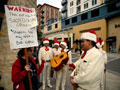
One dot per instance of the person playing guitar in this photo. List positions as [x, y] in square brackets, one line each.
[61, 74]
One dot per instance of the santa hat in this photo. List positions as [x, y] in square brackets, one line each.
[56, 43]
[45, 40]
[91, 35]
[101, 42]
[64, 43]
[98, 44]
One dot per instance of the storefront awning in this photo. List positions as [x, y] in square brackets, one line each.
[111, 39]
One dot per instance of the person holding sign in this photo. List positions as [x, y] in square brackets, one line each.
[20, 71]
[46, 54]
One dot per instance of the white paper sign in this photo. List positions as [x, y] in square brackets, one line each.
[20, 17]
[21, 29]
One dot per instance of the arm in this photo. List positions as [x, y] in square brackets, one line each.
[70, 57]
[40, 56]
[17, 74]
[40, 68]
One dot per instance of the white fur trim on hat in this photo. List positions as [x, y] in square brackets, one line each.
[44, 42]
[63, 43]
[89, 36]
[98, 45]
[56, 44]
[102, 43]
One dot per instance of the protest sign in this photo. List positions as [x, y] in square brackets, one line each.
[22, 24]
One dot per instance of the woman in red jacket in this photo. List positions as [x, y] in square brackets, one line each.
[20, 71]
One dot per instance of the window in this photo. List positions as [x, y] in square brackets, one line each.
[56, 17]
[67, 22]
[47, 14]
[74, 19]
[51, 15]
[49, 28]
[85, 5]
[94, 2]
[84, 16]
[47, 9]
[51, 10]
[113, 7]
[95, 13]
[71, 11]
[71, 3]
[47, 19]
[78, 2]
[56, 12]
[78, 9]
[56, 25]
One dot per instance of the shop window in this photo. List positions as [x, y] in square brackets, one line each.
[74, 19]
[95, 13]
[84, 16]
[67, 22]
[49, 28]
[56, 25]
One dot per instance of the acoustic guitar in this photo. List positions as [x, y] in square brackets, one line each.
[60, 60]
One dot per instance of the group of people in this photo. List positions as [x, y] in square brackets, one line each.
[87, 72]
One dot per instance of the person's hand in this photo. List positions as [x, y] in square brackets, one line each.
[34, 58]
[72, 82]
[27, 67]
[71, 68]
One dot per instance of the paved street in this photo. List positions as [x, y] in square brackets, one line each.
[112, 75]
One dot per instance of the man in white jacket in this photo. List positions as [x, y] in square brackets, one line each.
[88, 69]
[100, 45]
[61, 74]
[46, 54]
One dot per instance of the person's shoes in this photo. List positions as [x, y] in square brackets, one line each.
[50, 86]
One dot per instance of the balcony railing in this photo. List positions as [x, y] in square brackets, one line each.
[64, 9]
[64, 2]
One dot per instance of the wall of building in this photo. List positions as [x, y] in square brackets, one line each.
[53, 27]
[99, 26]
[71, 9]
[8, 56]
[48, 14]
[114, 30]
[89, 4]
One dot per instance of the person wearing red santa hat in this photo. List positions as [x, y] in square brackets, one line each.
[46, 54]
[56, 49]
[61, 74]
[86, 75]
[100, 46]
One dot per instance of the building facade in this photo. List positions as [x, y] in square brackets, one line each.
[105, 9]
[73, 7]
[54, 30]
[47, 14]
[100, 27]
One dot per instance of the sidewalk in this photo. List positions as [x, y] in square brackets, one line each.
[114, 55]
[112, 81]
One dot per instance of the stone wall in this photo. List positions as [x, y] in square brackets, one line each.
[8, 56]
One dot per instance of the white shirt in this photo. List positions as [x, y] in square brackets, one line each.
[45, 55]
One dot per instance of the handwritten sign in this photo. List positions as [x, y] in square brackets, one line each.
[20, 17]
[22, 24]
